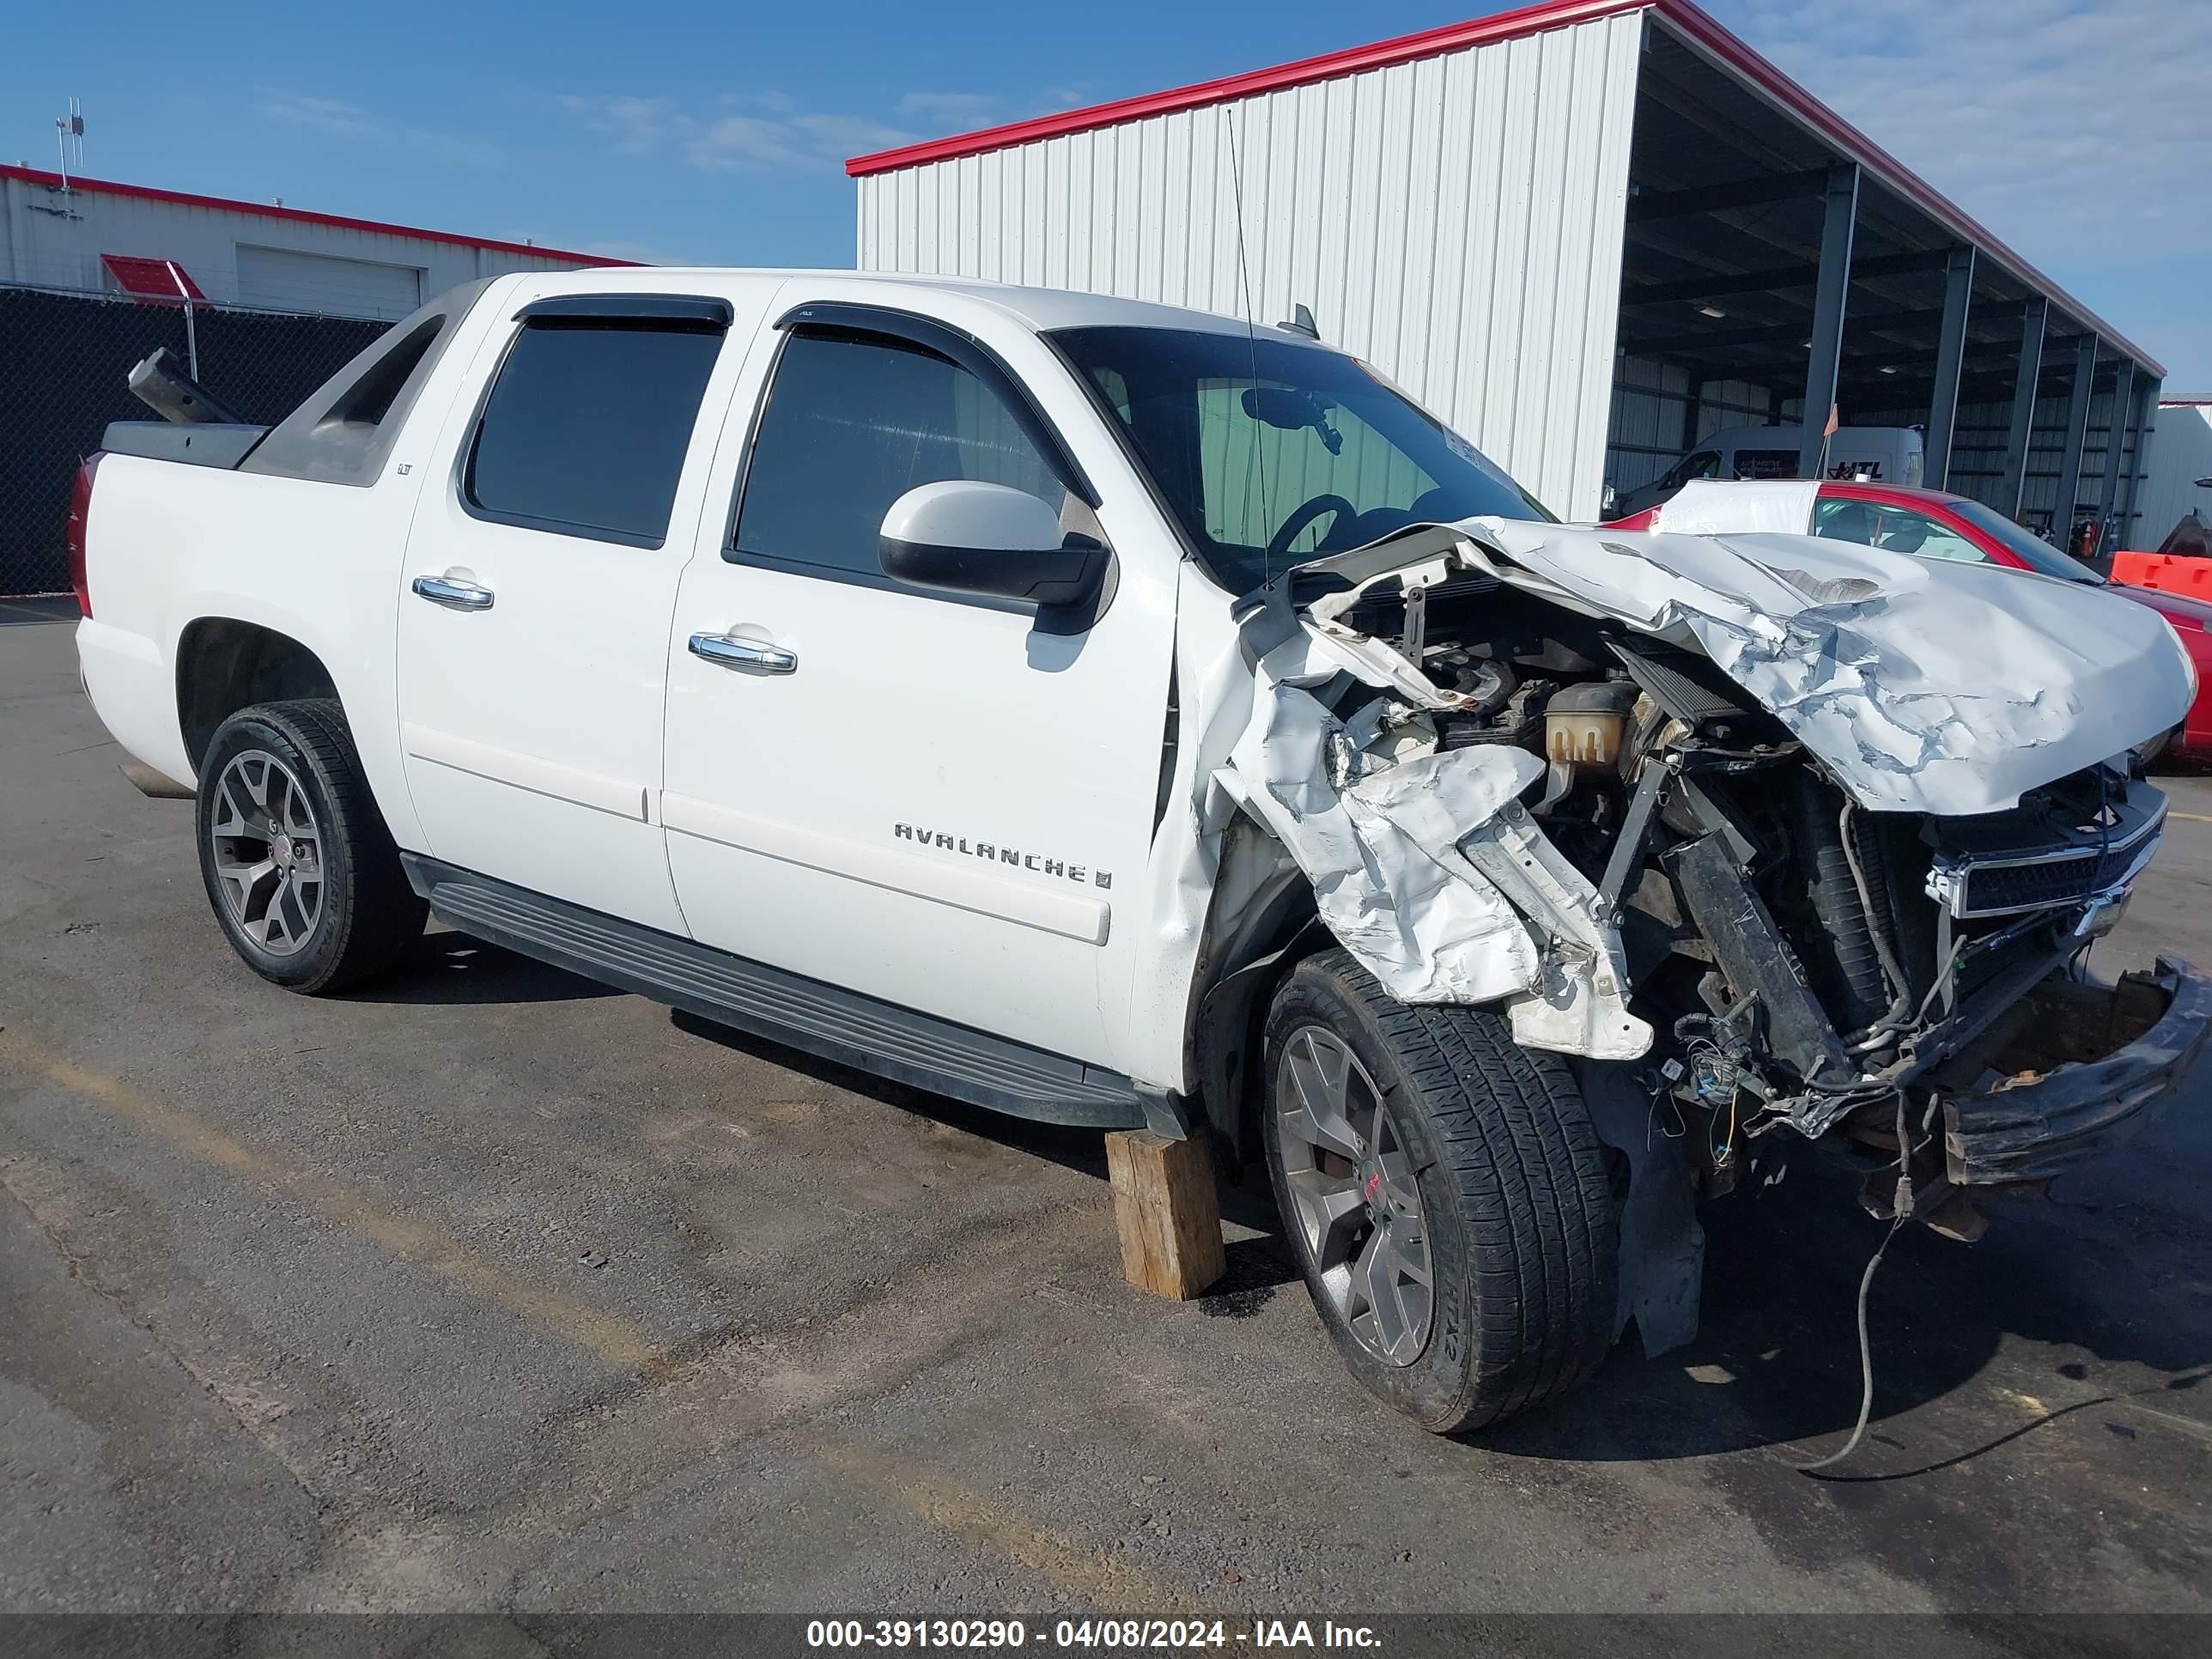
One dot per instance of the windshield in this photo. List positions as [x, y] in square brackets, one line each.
[2039, 554]
[1269, 452]
[1703, 465]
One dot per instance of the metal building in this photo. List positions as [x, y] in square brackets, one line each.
[93, 236]
[2177, 481]
[1587, 232]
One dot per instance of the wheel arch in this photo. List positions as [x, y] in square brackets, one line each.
[1270, 932]
[224, 664]
[365, 912]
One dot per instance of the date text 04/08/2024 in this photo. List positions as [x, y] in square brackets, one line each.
[1096, 1634]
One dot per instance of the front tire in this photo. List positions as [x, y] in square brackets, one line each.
[298, 865]
[1445, 1193]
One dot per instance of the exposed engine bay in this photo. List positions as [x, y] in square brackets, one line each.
[1502, 791]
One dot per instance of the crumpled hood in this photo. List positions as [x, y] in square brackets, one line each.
[1924, 685]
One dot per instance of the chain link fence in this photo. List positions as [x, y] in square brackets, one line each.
[64, 358]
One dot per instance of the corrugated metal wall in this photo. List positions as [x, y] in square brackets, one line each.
[1456, 221]
[1652, 406]
[48, 243]
[1984, 429]
[2180, 454]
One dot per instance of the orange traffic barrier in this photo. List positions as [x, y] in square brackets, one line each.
[2168, 572]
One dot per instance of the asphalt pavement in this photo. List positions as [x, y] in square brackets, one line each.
[490, 1290]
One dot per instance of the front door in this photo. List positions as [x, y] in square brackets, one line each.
[937, 800]
[539, 577]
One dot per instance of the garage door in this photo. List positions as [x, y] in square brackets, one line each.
[283, 279]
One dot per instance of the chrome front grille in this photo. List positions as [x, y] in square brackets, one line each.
[2093, 861]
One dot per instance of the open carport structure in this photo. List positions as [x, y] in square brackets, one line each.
[1587, 232]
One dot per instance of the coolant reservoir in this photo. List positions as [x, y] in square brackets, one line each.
[1583, 724]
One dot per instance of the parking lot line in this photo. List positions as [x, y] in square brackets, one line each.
[2193, 817]
[611, 1339]
[1092, 1576]
[1088, 1575]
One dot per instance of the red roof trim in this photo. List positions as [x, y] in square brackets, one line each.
[150, 279]
[300, 215]
[1451, 37]
[1692, 24]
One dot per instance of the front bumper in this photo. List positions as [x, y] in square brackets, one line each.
[2068, 1094]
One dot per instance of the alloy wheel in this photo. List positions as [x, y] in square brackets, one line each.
[1351, 1186]
[268, 852]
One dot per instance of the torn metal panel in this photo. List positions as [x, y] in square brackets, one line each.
[1377, 837]
[1924, 686]
[1580, 1007]
[1942, 689]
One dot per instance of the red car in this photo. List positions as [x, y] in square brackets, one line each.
[1935, 524]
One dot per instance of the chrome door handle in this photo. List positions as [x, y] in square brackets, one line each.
[454, 594]
[727, 651]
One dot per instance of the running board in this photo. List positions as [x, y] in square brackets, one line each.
[837, 1024]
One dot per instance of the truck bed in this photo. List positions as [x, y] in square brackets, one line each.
[204, 443]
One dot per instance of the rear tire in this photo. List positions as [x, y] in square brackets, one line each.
[1467, 1153]
[301, 872]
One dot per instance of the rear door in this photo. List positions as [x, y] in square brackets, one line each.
[938, 800]
[541, 572]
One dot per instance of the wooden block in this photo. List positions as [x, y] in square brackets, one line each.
[1167, 1213]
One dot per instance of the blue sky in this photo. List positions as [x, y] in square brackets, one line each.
[2082, 133]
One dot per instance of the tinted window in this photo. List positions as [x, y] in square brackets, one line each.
[1251, 473]
[851, 424]
[1767, 463]
[2038, 553]
[585, 429]
[1894, 529]
[1268, 451]
[1704, 465]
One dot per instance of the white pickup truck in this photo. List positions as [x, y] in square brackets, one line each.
[1121, 716]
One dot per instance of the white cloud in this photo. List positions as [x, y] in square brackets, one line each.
[335, 118]
[765, 132]
[794, 143]
[966, 111]
[2068, 129]
[953, 111]
[636, 125]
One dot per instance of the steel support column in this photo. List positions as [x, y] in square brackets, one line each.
[1950, 361]
[2139, 463]
[2022, 436]
[1830, 296]
[2124, 397]
[2067, 505]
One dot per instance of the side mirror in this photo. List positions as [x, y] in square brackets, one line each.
[964, 537]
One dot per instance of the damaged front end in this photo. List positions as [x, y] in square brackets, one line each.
[1799, 836]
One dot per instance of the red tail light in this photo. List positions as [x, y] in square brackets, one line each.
[80, 511]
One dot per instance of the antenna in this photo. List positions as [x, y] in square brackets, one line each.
[1251, 329]
[66, 128]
